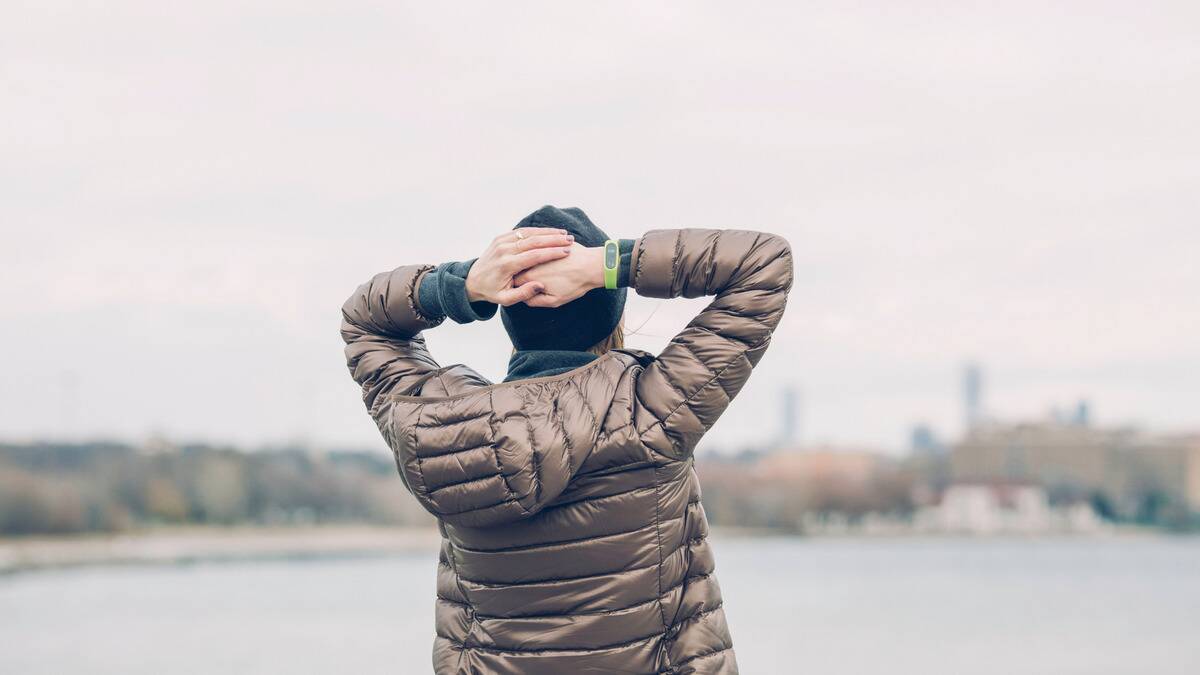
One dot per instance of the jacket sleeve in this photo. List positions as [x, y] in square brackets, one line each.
[683, 392]
[381, 325]
[382, 321]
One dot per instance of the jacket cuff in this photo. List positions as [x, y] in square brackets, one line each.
[443, 292]
[625, 262]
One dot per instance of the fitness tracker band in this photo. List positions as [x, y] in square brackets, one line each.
[612, 257]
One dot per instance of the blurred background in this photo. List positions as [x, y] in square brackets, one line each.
[973, 448]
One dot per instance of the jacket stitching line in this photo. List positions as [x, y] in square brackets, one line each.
[585, 500]
[470, 609]
[462, 482]
[700, 616]
[420, 470]
[606, 434]
[563, 580]
[579, 540]
[556, 580]
[592, 537]
[523, 617]
[675, 256]
[508, 500]
[712, 262]
[662, 611]
[533, 455]
[588, 408]
[702, 655]
[441, 378]
[562, 426]
[601, 612]
[453, 451]
[686, 547]
[512, 496]
[566, 650]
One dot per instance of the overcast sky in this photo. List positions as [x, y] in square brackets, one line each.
[188, 194]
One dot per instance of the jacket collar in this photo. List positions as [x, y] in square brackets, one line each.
[528, 363]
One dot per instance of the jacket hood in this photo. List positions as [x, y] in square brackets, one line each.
[481, 454]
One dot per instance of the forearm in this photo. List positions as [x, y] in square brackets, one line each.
[703, 368]
[692, 263]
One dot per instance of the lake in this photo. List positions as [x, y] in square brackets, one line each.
[846, 606]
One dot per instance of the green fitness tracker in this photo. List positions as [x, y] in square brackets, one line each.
[612, 254]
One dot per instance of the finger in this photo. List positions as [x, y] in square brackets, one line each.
[530, 243]
[544, 241]
[527, 232]
[543, 300]
[523, 293]
[523, 261]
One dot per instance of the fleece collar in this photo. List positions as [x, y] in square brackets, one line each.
[528, 363]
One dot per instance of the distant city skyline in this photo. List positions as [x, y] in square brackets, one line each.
[180, 223]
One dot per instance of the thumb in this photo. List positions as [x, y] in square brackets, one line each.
[511, 296]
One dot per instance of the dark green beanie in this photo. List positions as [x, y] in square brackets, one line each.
[579, 324]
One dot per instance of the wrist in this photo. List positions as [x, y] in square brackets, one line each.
[472, 285]
[595, 267]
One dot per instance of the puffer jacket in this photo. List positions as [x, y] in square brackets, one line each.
[573, 538]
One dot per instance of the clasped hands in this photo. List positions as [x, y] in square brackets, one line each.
[543, 267]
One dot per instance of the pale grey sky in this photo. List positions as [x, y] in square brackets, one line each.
[189, 192]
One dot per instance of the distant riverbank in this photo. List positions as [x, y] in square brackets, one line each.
[197, 544]
[183, 545]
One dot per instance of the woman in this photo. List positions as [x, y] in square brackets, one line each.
[573, 539]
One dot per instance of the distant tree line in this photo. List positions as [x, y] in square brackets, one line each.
[53, 488]
[57, 488]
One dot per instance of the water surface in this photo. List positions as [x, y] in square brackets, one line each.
[1058, 607]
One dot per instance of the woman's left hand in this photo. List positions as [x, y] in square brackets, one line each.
[567, 278]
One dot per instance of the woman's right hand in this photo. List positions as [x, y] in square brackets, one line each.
[491, 277]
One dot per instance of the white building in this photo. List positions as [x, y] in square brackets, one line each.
[983, 509]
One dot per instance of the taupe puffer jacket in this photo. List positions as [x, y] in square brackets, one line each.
[573, 539]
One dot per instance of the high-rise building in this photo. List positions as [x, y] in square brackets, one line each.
[1083, 414]
[972, 395]
[923, 440]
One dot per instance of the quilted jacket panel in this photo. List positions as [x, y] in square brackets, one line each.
[573, 538]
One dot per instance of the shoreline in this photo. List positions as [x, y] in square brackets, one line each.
[185, 545]
[213, 544]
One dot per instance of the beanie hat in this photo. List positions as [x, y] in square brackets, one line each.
[578, 324]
